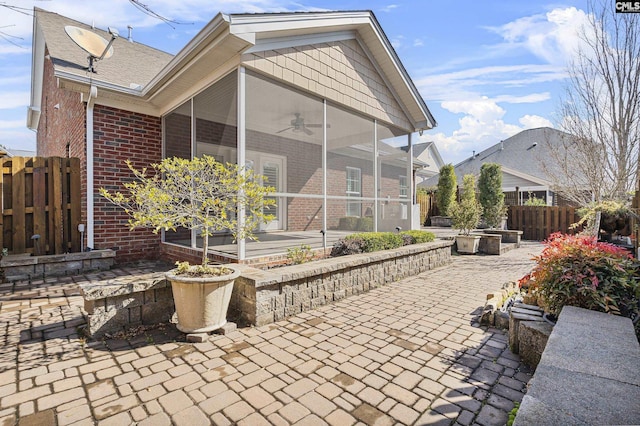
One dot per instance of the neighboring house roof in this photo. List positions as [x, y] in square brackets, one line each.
[8, 152]
[522, 155]
[428, 153]
[156, 81]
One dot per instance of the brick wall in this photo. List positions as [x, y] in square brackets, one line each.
[120, 135]
[339, 71]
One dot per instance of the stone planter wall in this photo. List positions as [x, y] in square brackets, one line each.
[259, 297]
[116, 304]
[20, 267]
[262, 297]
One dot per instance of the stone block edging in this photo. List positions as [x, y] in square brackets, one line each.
[27, 267]
[588, 373]
[260, 296]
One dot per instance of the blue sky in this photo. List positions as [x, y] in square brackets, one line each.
[487, 69]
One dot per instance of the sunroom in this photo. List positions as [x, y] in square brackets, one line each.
[317, 115]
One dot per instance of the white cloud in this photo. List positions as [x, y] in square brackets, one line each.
[534, 121]
[389, 8]
[418, 42]
[481, 126]
[552, 37]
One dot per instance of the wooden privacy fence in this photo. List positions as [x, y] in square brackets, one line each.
[428, 206]
[538, 222]
[40, 196]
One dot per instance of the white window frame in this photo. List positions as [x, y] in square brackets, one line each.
[354, 194]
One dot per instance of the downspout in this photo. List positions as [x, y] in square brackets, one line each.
[93, 93]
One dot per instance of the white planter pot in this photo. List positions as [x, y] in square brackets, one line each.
[202, 303]
[467, 244]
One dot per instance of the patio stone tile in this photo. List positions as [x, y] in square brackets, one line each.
[372, 416]
[257, 397]
[175, 401]
[294, 411]
[397, 354]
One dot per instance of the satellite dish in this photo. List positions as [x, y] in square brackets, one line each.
[97, 47]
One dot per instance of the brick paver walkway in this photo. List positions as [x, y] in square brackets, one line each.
[407, 353]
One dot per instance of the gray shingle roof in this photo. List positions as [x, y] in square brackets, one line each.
[131, 63]
[525, 152]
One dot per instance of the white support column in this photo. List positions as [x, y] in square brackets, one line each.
[194, 233]
[93, 94]
[241, 151]
[324, 174]
[376, 195]
[410, 181]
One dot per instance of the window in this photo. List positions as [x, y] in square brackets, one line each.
[404, 189]
[354, 189]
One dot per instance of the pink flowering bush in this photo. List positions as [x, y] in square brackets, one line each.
[579, 271]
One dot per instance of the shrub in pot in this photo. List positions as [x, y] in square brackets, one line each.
[197, 195]
[491, 196]
[445, 195]
[465, 216]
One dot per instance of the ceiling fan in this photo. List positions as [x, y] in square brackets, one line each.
[298, 125]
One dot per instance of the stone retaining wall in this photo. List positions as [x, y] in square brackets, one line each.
[119, 303]
[20, 267]
[262, 297]
[588, 373]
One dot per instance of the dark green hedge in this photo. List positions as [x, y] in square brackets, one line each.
[368, 242]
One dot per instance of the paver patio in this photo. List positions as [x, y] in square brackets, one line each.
[407, 353]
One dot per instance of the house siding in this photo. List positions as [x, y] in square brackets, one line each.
[338, 71]
[118, 136]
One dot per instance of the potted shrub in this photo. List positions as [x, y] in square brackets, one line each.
[465, 216]
[491, 196]
[199, 195]
[445, 195]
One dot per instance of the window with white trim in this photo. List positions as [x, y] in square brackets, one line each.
[404, 188]
[354, 189]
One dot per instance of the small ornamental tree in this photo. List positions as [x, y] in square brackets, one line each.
[446, 194]
[199, 195]
[491, 196]
[465, 215]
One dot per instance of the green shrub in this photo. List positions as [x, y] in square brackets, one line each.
[491, 196]
[446, 195]
[298, 255]
[368, 242]
[418, 237]
[577, 270]
[534, 201]
[465, 215]
[376, 241]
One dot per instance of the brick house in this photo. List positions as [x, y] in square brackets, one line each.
[317, 102]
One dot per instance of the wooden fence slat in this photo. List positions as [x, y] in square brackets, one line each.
[40, 202]
[537, 223]
[75, 203]
[18, 205]
[55, 201]
[40, 196]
